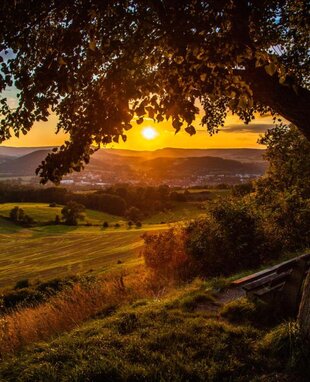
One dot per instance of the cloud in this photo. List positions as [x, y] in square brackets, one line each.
[255, 128]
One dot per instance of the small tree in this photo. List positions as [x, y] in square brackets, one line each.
[133, 214]
[73, 212]
[17, 215]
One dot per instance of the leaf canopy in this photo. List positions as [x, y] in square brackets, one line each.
[100, 64]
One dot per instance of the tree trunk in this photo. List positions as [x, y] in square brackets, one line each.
[304, 309]
[291, 102]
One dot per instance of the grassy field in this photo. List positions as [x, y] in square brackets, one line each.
[180, 212]
[49, 251]
[53, 251]
[41, 212]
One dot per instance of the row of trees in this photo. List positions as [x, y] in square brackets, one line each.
[71, 214]
[17, 215]
[123, 200]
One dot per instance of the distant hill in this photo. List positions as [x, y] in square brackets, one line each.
[242, 155]
[199, 166]
[162, 165]
[24, 165]
[20, 151]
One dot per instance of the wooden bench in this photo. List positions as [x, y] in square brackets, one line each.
[280, 284]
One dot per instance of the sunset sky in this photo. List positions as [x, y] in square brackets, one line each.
[234, 135]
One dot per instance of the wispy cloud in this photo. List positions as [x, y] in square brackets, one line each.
[255, 128]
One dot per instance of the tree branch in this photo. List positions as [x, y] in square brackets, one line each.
[291, 101]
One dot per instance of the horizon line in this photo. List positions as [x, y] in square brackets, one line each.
[122, 149]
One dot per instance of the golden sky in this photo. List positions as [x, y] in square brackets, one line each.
[233, 135]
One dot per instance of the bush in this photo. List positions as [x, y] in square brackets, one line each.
[17, 215]
[133, 214]
[24, 283]
[105, 225]
[21, 297]
[288, 216]
[73, 212]
[53, 204]
[230, 239]
[165, 255]
[25, 294]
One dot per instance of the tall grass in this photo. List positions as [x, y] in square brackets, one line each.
[66, 311]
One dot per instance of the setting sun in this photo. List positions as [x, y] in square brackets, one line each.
[149, 133]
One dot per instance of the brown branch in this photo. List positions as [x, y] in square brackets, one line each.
[291, 101]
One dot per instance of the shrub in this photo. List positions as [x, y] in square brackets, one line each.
[53, 204]
[21, 297]
[24, 283]
[288, 216]
[231, 238]
[138, 224]
[164, 254]
[17, 215]
[73, 212]
[105, 225]
[133, 214]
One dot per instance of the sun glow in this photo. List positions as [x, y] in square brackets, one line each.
[149, 133]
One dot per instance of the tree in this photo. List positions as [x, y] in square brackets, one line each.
[133, 214]
[288, 155]
[284, 192]
[100, 64]
[16, 214]
[73, 212]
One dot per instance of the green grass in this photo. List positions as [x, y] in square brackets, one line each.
[159, 340]
[42, 213]
[181, 211]
[53, 251]
[49, 251]
[212, 191]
